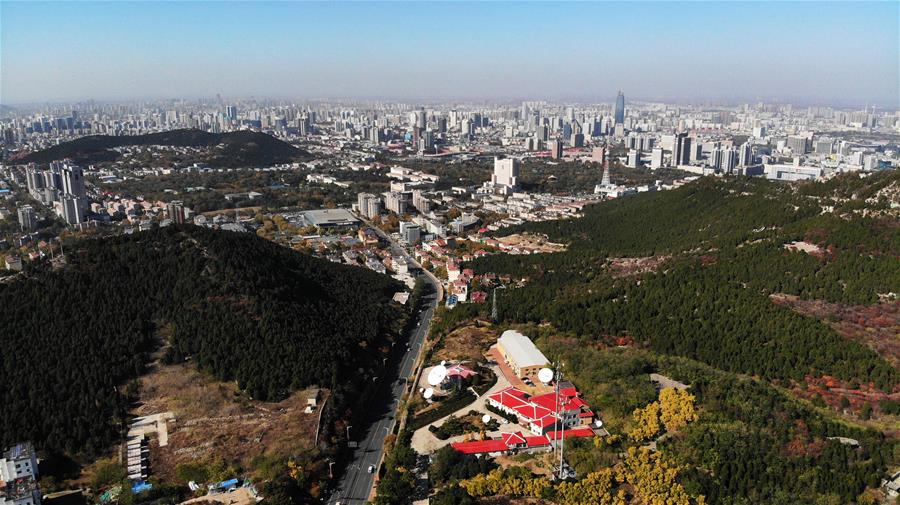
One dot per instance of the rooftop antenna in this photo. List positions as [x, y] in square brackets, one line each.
[437, 375]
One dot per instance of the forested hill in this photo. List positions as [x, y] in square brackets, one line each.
[723, 243]
[241, 307]
[242, 148]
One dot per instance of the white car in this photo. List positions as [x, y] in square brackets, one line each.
[371, 468]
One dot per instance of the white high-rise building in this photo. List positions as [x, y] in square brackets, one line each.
[634, 158]
[73, 209]
[729, 160]
[506, 173]
[656, 158]
[73, 181]
[27, 218]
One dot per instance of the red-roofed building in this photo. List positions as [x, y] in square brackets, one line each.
[543, 413]
[460, 371]
[514, 442]
[494, 447]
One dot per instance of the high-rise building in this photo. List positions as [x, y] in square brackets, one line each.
[397, 202]
[715, 158]
[369, 205]
[466, 129]
[506, 173]
[681, 150]
[375, 135]
[420, 202]
[27, 218]
[634, 158]
[556, 149]
[73, 209]
[410, 232]
[870, 162]
[620, 108]
[577, 140]
[824, 146]
[745, 156]
[34, 179]
[73, 181]
[175, 211]
[729, 160]
[656, 158]
[797, 144]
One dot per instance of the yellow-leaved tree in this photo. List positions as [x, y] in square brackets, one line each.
[596, 488]
[654, 479]
[646, 421]
[676, 408]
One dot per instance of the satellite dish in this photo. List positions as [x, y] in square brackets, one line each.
[599, 423]
[437, 375]
[485, 419]
[428, 393]
[545, 375]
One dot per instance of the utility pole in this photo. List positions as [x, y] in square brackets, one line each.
[494, 308]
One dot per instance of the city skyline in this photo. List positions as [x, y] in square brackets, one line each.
[806, 53]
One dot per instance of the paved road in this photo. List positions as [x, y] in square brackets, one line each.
[356, 483]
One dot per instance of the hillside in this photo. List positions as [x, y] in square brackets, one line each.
[225, 150]
[239, 307]
[774, 304]
[725, 243]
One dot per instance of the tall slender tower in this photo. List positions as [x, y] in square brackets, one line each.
[605, 181]
[620, 108]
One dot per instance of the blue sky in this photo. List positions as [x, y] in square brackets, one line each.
[846, 53]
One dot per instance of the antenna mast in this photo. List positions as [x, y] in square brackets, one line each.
[562, 428]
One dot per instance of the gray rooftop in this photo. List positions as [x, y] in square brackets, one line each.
[330, 217]
[521, 349]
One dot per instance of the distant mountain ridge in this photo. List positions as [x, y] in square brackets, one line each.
[242, 148]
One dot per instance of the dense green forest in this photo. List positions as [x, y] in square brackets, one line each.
[277, 189]
[751, 443]
[241, 307]
[242, 148]
[724, 243]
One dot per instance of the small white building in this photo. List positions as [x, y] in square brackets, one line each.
[18, 476]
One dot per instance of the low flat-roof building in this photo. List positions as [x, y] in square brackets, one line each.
[18, 476]
[520, 354]
[324, 218]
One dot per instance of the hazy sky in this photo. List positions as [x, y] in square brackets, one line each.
[810, 51]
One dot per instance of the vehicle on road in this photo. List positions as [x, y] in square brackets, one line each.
[371, 468]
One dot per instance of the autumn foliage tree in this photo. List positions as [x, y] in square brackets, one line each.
[674, 410]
